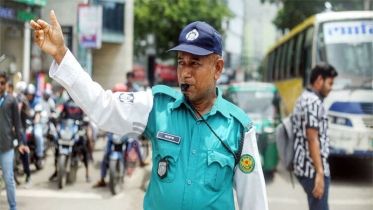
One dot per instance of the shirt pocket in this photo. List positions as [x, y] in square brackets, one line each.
[171, 152]
[219, 170]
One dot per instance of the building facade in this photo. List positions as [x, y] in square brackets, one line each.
[17, 54]
[108, 64]
[260, 34]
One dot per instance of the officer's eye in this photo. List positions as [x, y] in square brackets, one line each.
[196, 64]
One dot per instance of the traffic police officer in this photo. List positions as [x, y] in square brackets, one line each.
[203, 146]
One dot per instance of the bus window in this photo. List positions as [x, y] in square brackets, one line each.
[270, 65]
[321, 50]
[298, 53]
[308, 55]
[277, 64]
[309, 37]
[283, 61]
[289, 59]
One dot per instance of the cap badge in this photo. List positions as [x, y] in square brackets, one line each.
[192, 35]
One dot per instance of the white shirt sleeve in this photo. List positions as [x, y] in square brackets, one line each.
[120, 113]
[250, 185]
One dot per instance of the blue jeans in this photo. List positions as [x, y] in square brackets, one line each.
[314, 203]
[38, 134]
[6, 162]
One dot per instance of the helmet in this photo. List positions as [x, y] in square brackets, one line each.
[31, 89]
[21, 86]
[47, 93]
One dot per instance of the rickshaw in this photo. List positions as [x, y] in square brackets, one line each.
[261, 102]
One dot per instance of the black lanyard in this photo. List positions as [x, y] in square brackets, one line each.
[222, 142]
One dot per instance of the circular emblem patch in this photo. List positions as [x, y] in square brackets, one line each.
[192, 35]
[246, 164]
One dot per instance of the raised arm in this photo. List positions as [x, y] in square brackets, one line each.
[114, 112]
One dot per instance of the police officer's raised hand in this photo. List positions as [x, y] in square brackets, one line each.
[49, 37]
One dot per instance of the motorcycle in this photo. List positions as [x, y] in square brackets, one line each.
[116, 163]
[72, 137]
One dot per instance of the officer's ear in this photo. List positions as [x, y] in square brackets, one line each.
[219, 65]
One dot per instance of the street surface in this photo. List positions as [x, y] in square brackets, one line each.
[351, 189]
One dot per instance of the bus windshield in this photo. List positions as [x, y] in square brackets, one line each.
[348, 46]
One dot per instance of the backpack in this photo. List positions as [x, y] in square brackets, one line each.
[285, 144]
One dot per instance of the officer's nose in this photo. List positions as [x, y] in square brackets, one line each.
[185, 72]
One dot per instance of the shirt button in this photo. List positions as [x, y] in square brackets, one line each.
[189, 182]
[194, 151]
[198, 122]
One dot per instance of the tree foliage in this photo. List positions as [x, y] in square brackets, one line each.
[166, 19]
[294, 12]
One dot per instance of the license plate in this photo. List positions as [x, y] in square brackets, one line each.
[65, 142]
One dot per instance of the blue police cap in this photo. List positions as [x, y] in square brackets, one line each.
[199, 38]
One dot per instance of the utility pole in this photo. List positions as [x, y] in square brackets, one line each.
[367, 4]
[128, 35]
[26, 52]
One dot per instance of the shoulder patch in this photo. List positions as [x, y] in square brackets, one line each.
[166, 90]
[239, 115]
[247, 163]
[127, 98]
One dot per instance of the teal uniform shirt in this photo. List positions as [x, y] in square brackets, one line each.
[201, 169]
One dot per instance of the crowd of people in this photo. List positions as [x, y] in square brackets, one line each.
[43, 112]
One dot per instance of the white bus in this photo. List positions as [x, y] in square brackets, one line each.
[344, 40]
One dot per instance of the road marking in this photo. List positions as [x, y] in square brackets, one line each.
[40, 193]
[54, 194]
[284, 200]
[353, 202]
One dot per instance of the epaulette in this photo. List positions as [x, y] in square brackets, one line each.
[166, 90]
[239, 115]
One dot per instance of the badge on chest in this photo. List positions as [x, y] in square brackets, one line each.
[162, 167]
[168, 137]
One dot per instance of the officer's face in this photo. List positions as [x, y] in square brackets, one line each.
[200, 73]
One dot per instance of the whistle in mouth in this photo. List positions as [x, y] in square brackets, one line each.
[184, 87]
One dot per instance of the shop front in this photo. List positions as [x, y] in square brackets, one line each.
[18, 57]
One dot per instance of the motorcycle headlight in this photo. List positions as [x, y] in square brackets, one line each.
[66, 134]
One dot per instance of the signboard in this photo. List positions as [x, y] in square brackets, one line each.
[12, 14]
[166, 73]
[139, 72]
[90, 25]
[67, 32]
[34, 2]
[348, 32]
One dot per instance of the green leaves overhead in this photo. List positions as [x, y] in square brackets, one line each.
[166, 18]
[294, 12]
